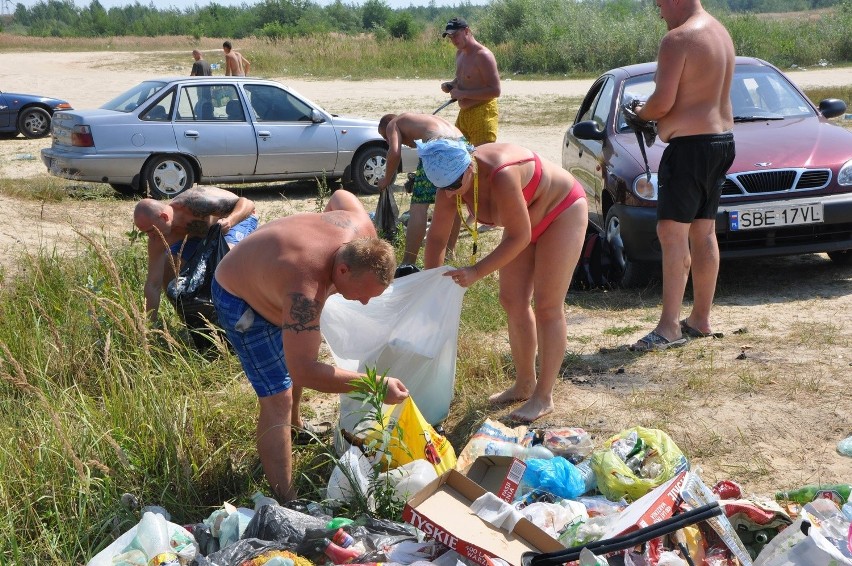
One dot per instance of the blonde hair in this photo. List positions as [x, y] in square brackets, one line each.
[372, 255]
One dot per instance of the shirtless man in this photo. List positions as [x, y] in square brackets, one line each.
[188, 217]
[235, 64]
[691, 104]
[476, 86]
[403, 129]
[269, 293]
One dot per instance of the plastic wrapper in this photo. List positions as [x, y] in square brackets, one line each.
[236, 554]
[574, 444]
[557, 476]
[280, 524]
[635, 461]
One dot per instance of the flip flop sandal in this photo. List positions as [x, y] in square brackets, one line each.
[654, 341]
[691, 332]
[310, 433]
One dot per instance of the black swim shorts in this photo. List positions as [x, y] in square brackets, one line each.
[692, 171]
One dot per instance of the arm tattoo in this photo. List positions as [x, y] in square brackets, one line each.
[205, 205]
[338, 218]
[303, 311]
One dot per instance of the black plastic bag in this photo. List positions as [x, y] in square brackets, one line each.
[190, 290]
[387, 216]
[279, 524]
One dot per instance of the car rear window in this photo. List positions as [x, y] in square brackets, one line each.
[130, 100]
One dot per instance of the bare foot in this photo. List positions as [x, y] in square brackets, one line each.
[509, 396]
[531, 411]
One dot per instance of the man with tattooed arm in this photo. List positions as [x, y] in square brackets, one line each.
[175, 228]
[269, 293]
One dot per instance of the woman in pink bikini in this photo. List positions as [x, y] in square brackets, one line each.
[542, 210]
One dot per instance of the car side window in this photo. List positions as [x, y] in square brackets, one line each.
[273, 104]
[603, 105]
[161, 111]
[204, 103]
[587, 107]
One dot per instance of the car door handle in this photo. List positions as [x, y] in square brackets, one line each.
[264, 134]
[190, 134]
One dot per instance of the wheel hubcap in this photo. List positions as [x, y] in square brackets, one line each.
[374, 170]
[35, 123]
[616, 244]
[169, 177]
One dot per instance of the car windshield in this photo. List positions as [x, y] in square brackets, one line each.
[129, 100]
[757, 93]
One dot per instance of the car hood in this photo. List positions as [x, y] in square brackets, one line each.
[771, 144]
[33, 97]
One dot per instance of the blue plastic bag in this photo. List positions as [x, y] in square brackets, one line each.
[556, 475]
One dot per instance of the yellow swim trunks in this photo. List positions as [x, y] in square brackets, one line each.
[479, 124]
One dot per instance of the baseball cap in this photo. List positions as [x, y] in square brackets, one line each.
[454, 25]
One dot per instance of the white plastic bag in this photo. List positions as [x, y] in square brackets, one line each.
[825, 544]
[358, 469]
[181, 541]
[410, 332]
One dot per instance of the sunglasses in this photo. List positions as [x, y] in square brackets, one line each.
[456, 185]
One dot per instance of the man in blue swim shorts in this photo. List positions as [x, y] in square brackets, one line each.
[175, 228]
[269, 293]
[401, 130]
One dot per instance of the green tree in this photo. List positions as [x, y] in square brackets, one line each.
[374, 14]
[402, 25]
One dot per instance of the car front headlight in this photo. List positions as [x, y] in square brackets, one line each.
[844, 176]
[645, 189]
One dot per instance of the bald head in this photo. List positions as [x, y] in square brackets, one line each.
[150, 213]
[196, 54]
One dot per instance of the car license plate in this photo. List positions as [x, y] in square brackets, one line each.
[775, 216]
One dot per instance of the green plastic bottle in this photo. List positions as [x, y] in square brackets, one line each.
[839, 493]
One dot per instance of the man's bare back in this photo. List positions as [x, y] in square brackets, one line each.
[694, 73]
[288, 256]
[413, 126]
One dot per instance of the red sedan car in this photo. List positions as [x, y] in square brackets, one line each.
[789, 190]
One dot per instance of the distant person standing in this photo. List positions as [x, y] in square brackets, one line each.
[200, 68]
[691, 104]
[476, 86]
[235, 64]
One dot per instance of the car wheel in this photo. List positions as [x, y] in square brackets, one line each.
[368, 168]
[34, 122]
[168, 176]
[626, 273]
[843, 257]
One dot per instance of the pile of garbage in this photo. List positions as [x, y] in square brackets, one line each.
[518, 497]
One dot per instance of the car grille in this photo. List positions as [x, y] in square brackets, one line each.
[807, 234]
[776, 181]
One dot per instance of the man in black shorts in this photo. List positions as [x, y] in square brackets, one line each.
[691, 104]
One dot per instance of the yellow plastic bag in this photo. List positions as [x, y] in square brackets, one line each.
[414, 438]
[655, 452]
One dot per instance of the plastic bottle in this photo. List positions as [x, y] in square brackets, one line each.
[338, 522]
[847, 510]
[152, 535]
[337, 554]
[589, 478]
[844, 447]
[260, 500]
[342, 538]
[839, 493]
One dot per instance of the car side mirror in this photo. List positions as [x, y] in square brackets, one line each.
[832, 107]
[317, 117]
[587, 130]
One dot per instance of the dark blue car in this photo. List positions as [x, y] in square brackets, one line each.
[27, 114]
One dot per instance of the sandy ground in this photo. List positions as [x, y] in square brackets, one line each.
[770, 420]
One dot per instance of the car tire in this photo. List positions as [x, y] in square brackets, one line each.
[34, 122]
[167, 176]
[625, 272]
[843, 257]
[368, 168]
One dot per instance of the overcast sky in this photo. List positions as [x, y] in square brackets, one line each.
[183, 4]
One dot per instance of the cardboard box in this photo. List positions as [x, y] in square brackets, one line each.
[500, 475]
[442, 511]
[655, 506]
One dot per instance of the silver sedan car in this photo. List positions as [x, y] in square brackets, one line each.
[164, 135]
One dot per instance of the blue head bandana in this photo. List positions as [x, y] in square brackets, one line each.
[444, 160]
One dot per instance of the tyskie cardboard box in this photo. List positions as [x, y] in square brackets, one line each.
[442, 511]
[657, 505]
[501, 475]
